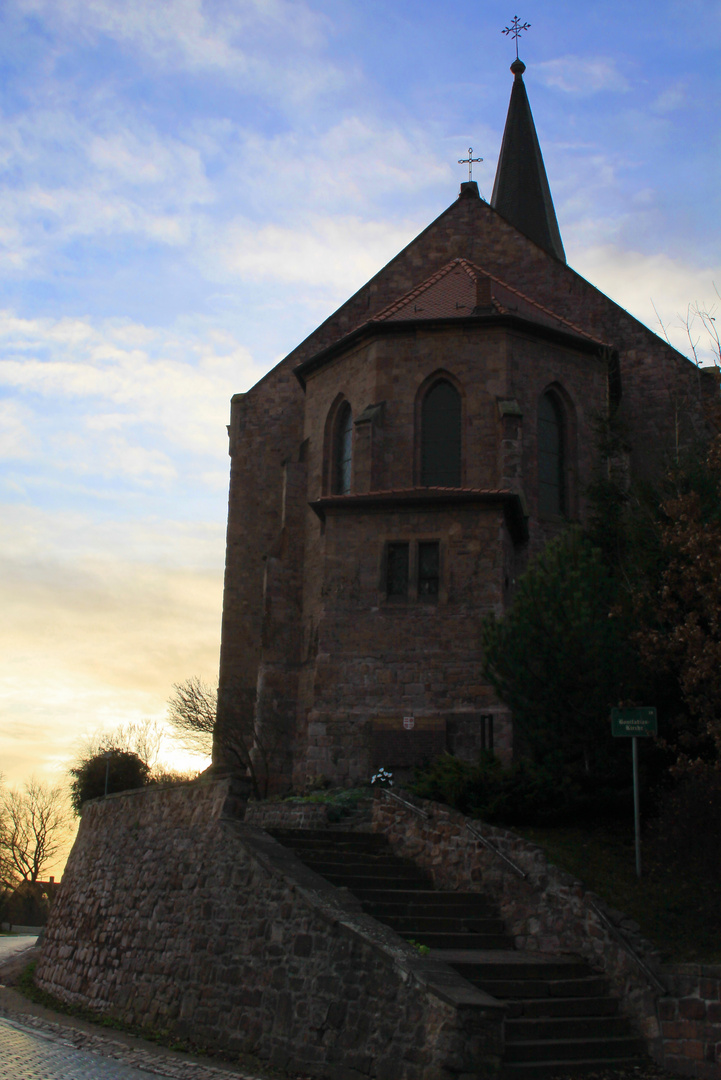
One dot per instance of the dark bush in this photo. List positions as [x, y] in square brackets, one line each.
[523, 794]
[688, 826]
[124, 769]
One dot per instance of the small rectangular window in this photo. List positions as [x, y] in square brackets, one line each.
[429, 566]
[397, 570]
[487, 732]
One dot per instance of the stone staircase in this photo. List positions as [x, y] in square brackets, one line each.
[560, 1017]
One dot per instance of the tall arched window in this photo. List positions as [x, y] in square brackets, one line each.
[343, 450]
[441, 436]
[551, 464]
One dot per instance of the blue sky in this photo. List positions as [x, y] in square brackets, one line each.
[186, 189]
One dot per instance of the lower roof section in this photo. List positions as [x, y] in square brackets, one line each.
[431, 498]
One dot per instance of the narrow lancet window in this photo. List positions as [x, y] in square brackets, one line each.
[441, 436]
[343, 456]
[429, 569]
[551, 486]
[397, 570]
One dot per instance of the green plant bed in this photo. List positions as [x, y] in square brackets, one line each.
[340, 801]
[677, 912]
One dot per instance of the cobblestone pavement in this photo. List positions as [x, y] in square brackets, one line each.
[32, 1055]
[34, 1049]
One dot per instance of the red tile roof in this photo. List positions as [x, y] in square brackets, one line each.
[455, 290]
[400, 492]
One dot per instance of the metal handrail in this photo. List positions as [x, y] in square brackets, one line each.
[627, 947]
[496, 851]
[615, 932]
[404, 802]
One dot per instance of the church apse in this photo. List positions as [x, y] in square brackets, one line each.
[392, 476]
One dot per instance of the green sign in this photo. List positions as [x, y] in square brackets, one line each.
[641, 721]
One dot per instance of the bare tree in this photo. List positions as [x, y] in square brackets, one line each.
[701, 328]
[192, 712]
[142, 737]
[34, 825]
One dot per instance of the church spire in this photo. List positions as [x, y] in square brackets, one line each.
[521, 192]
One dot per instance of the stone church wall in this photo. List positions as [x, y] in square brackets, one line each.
[175, 914]
[275, 669]
[265, 432]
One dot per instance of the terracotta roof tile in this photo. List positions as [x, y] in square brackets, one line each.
[400, 492]
[455, 290]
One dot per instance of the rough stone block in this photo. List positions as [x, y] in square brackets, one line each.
[692, 1008]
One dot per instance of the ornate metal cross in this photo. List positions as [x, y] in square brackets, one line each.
[516, 28]
[469, 162]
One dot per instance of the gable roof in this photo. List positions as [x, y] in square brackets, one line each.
[460, 289]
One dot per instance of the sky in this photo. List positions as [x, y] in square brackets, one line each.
[187, 188]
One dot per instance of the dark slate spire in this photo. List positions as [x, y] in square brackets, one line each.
[521, 192]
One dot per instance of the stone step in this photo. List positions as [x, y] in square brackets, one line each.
[461, 940]
[421, 906]
[361, 858]
[449, 923]
[598, 1050]
[372, 895]
[331, 838]
[520, 967]
[553, 1028]
[561, 1007]
[539, 1070]
[560, 1017]
[595, 986]
[359, 883]
[358, 868]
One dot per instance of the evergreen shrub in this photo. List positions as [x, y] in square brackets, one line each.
[523, 794]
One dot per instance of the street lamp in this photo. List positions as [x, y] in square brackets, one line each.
[107, 755]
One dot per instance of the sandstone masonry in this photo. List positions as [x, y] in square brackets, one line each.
[175, 914]
[322, 656]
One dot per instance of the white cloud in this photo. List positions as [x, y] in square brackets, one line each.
[582, 75]
[16, 439]
[672, 98]
[128, 394]
[334, 252]
[91, 185]
[641, 282]
[33, 539]
[270, 47]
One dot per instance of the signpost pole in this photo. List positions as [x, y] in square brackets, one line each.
[636, 807]
[630, 723]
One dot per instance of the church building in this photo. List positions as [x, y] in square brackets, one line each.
[392, 475]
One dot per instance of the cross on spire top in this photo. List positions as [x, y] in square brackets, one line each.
[469, 162]
[516, 29]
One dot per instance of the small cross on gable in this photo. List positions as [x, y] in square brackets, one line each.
[469, 162]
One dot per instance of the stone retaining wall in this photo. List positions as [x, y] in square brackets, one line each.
[691, 1020]
[552, 912]
[173, 913]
